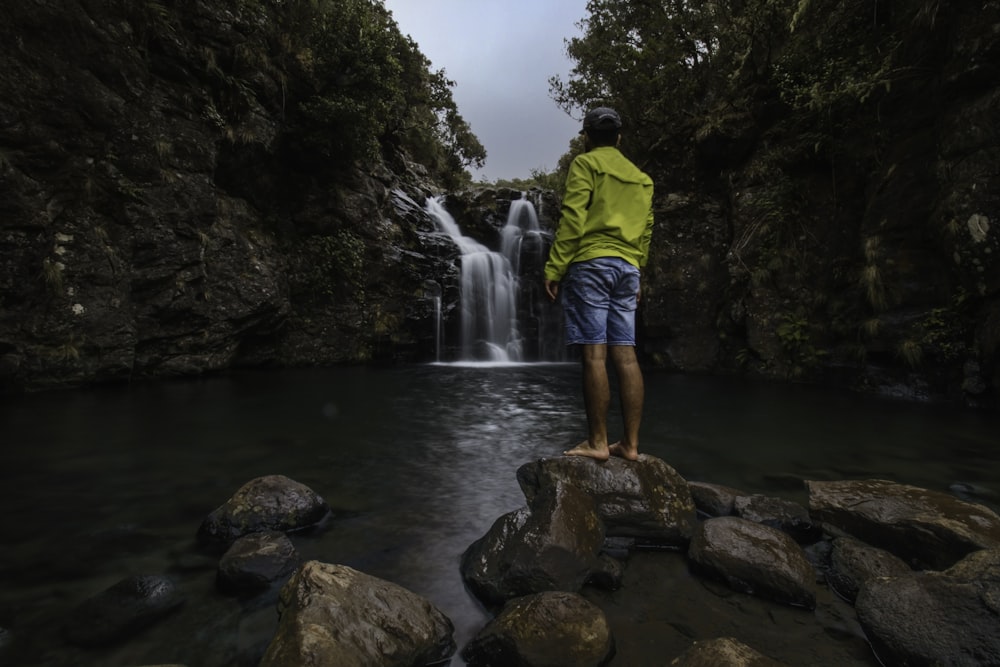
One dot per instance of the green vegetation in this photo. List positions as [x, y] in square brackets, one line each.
[368, 88]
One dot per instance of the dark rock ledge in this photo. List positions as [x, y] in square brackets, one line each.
[921, 569]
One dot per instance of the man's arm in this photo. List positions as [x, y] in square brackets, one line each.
[572, 219]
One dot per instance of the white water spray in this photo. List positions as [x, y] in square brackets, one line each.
[488, 296]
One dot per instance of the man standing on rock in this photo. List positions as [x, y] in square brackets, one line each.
[601, 243]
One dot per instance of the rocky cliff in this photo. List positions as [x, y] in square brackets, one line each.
[157, 218]
[855, 245]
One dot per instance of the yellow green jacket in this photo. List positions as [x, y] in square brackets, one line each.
[607, 211]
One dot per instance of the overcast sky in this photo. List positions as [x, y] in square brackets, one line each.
[500, 54]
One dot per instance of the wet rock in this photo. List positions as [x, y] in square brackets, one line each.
[336, 615]
[779, 513]
[852, 563]
[273, 502]
[554, 545]
[949, 618]
[927, 529]
[714, 499]
[122, 610]
[256, 561]
[754, 558]
[608, 573]
[546, 629]
[722, 652]
[644, 498]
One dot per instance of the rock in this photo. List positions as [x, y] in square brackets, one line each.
[551, 547]
[273, 502]
[927, 529]
[722, 652]
[853, 562]
[608, 573]
[256, 561]
[949, 618]
[335, 616]
[714, 499]
[779, 513]
[644, 498]
[754, 558]
[544, 630]
[122, 610]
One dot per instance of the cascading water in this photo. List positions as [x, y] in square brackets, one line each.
[503, 320]
[488, 292]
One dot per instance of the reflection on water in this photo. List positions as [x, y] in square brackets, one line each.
[417, 462]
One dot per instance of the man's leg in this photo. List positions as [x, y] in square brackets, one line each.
[633, 392]
[596, 400]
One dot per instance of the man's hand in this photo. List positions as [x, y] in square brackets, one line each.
[552, 289]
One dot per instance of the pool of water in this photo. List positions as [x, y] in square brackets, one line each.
[417, 462]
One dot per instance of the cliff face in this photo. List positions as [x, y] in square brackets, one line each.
[869, 261]
[156, 218]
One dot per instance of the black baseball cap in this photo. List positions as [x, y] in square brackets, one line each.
[601, 118]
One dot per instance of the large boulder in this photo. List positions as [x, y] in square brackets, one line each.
[553, 546]
[722, 652]
[945, 619]
[272, 502]
[122, 610]
[544, 630]
[754, 558]
[335, 616]
[927, 529]
[645, 498]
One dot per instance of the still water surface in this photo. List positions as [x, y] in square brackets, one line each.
[417, 463]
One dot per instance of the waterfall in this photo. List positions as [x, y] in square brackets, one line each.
[487, 296]
[504, 314]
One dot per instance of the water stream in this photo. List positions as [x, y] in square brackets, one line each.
[417, 463]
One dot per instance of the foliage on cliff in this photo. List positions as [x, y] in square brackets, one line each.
[842, 158]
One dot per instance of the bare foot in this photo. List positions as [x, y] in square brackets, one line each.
[629, 453]
[584, 449]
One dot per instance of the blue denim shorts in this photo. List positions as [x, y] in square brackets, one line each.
[599, 299]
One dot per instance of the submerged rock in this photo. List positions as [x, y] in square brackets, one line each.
[335, 616]
[546, 629]
[927, 529]
[272, 502]
[122, 610]
[644, 498]
[756, 559]
[553, 546]
[722, 652]
[256, 561]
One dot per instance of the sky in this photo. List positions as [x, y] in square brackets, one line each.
[501, 54]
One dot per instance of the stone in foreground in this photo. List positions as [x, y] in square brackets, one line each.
[950, 618]
[756, 559]
[644, 499]
[254, 562]
[722, 652]
[553, 546]
[541, 630]
[122, 610]
[927, 529]
[335, 616]
[272, 502]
